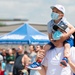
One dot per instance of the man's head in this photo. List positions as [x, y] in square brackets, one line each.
[39, 47]
[58, 12]
[31, 48]
[20, 49]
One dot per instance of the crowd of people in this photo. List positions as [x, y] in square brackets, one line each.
[13, 61]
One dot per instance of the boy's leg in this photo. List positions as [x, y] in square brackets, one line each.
[66, 50]
[66, 54]
[67, 44]
[49, 46]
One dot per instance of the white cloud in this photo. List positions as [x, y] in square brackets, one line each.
[34, 10]
[65, 2]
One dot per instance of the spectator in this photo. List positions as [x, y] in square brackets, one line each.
[1, 71]
[4, 54]
[10, 61]
[14, 51]
[33, 59]
[2, 66]
[20, 62]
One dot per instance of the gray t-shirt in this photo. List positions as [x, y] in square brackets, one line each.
[51, 23]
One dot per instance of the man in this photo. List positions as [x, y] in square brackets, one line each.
[33, 59]
[21, 61]
[51, 62]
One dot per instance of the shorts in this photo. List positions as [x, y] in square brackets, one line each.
[70, 41]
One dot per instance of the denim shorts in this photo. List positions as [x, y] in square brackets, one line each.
[70, 41]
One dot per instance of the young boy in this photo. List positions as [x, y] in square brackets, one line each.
[57, 15]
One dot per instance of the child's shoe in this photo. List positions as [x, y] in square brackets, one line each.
[35, 66]
[64, 62]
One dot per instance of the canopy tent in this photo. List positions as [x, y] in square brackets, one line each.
[25, 34]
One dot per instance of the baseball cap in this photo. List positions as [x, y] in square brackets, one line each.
[59, 7]
[62, 26]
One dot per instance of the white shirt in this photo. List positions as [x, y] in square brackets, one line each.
[52, 61]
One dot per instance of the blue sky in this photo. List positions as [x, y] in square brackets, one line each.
[37, 11]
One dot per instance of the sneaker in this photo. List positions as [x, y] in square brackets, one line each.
[64, 62]
[35, 66]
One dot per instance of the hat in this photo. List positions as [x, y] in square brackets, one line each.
[59, 7]
[63, 27]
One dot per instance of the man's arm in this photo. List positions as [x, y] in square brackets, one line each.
[72, 65]
[71, 60]
[43, 70]
[25, 61]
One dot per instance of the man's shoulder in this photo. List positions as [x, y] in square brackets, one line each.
[48, 52]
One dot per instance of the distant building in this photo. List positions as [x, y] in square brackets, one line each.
[8, 28]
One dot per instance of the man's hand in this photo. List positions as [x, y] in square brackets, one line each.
[40, 54]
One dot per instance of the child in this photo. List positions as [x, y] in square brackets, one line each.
[58, 19]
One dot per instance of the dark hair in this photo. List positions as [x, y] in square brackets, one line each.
[33, 46]
[26, 52]
[55, 27]
[14, 49]
[41, 47]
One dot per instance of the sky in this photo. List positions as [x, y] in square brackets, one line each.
[36, 11]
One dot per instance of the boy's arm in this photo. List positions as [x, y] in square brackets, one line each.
[72, 29]
[67, 35]
[50, 36]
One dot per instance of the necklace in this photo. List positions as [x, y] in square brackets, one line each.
[57, 53]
